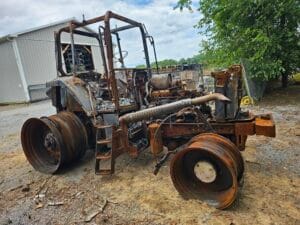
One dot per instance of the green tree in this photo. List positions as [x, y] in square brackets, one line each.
[196, 59]
[165, 62]
[264, 32]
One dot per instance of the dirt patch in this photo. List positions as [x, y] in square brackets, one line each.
[133, 195]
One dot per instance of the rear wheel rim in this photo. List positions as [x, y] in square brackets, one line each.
[51, 143]
[221, 189]
[44, 156]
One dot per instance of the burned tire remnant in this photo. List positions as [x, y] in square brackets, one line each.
[51, 143]
[208, 169]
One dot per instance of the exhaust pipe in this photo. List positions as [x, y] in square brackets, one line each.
[170, 108]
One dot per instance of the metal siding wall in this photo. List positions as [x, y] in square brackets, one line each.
[38, 56]
[11, 89]
[97, 59]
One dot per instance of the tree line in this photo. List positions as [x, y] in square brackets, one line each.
[266, 33]
[198, 58]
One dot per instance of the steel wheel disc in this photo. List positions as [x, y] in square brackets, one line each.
[33, 134]
[218, 184]
[51, 143]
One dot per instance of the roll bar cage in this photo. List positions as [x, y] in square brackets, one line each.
[104, 37]
[106, 32]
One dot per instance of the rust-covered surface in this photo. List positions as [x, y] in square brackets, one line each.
[264, 125]
[226, 161]
[52, 143]
[129, 110]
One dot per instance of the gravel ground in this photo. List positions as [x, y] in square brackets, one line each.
[13, 116]
[133, 195]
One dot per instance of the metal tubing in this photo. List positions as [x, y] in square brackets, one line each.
[106, 18]
[120, 50]
[169, 108]
[146, 51]
[102, 51]
[109, 52]
[118, 29]
[74, 69]
[154, 51]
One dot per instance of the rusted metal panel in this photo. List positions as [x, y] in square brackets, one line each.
[161, 94]
[245, 128]
[156, 143]
[188, 129]
[228, 82]
[264, 125]
[181, 129]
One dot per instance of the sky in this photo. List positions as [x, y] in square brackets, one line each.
[173, 30]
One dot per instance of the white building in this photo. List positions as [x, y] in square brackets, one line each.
[27, 61]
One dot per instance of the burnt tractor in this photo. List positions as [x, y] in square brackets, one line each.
[128, 110]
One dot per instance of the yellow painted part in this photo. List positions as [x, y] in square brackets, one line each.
[296, 77]
[247, 100]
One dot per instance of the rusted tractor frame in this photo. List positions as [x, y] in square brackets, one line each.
[127, 110]
[106, 50]
[237, 132]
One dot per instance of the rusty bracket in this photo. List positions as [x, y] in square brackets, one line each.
[265, 125]
[162, 160]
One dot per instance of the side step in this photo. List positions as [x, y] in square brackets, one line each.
[103, 151]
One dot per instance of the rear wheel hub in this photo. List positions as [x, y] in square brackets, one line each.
[205, 171]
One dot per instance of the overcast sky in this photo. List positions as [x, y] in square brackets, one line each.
[172, 30]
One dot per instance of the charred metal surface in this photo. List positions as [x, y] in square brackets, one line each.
[71, 93]
[229, 83]
[126, 110]
[156, 143]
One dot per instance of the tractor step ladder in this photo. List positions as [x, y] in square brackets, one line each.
[103, 151]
